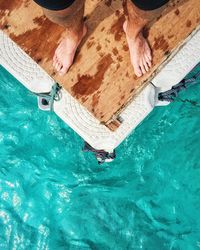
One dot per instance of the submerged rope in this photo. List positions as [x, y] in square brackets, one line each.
[101, 155]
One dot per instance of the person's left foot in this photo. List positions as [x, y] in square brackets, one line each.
[140, 52]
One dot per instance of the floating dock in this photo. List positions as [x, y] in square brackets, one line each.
[101, 98]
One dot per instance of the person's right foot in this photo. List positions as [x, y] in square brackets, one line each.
[65, 52]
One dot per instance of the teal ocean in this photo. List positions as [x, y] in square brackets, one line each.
[54, 196]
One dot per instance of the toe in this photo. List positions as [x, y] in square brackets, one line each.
[58, 66]
[148, 61]
[142, 67]
[55, 61]
[148, 54]
[145, 65]
[54, 64]
[63, 70]
[137, 70]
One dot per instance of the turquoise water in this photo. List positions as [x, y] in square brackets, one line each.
[53, 196]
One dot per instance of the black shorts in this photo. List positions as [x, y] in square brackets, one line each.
[63, 4]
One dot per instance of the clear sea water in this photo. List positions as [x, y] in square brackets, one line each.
[54, 196]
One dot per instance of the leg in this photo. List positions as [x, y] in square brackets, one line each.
[140, 51]
[72, 19]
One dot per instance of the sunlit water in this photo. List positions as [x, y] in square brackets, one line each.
[54, 196]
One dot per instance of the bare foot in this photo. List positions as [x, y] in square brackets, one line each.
[140, 52]
[65, 52]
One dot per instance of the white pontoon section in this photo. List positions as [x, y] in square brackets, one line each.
[34, 78]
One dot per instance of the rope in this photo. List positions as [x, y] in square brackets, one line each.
[101, 155]
[52, 96]
[171, 94]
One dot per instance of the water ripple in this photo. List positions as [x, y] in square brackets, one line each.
[55, 197]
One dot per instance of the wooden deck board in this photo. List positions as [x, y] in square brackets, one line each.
[102, 77]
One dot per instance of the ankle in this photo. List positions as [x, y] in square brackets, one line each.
[133, 30]
[76, 33]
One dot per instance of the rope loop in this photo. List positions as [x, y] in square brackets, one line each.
[50, 97]
[171, 94]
